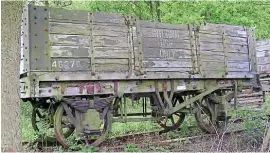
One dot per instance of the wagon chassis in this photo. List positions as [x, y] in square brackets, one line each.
[210, 99]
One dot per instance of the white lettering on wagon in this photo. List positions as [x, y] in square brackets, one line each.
[66, 64]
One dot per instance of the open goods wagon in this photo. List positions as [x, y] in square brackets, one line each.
[81, 67]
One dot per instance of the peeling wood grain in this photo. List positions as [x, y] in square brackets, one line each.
[163, 53]
[69, 28]
[168, 64]
[111, 52]
[74, 40]
[108, 18]
[263, 60]
[164, 33]
[264, 53]
[106, 41]
[212, 57]
[166, 43]
[111, 61]
[213, 66]
[69, 51]
[264, 68]
[218, 47]
[116, 31]
[238, 66]
[111, 68]
[237, 57]
[230, 30]
[218, 39]
[70, 15]
[158, 25]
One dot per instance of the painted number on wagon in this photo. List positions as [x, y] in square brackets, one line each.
[66, 64]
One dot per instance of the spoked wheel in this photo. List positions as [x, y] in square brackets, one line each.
[204, 118]
[42, 123]
[174, 121]
[61, 138]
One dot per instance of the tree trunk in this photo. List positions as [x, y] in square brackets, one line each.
[10, 125]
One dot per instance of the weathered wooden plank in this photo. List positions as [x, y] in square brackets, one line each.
[238, 66]
[168, 64]
[166, 43]
[111, 52]
[116, 31]
[204, 37]
[68, 15]
[69, 28]
[69, 40]
[263, 48]
[158, 25]
[264, 53]
[213, 66]
[262, 42]
[70, 64]
[108, 18]
[164, 33]
[237, 57]
[215, 47]
[264, 68]
[263, 60]
[218, 47]
[211, 57]
[69, 51]
[103, 41]
[230, 30]
[170, 69]
[111, 68]
[111, 65]
[163, 53]
[237, 48]
[111, 61]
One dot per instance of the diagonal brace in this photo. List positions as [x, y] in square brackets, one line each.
[194, 99]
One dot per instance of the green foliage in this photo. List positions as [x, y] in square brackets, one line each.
[246, 13]
[267, 104]
[131, 148]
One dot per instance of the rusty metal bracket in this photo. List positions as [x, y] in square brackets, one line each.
[251, 50]
[193, 52]
[140, 47]
[91, 47]
[224, 41]
[198, 50]
[130, 44]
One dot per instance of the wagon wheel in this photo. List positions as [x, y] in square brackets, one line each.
[41, 123]
[62, 139]
[204, 118]
[44, 122]
[175, 120]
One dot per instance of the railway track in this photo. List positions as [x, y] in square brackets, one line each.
[152, 138]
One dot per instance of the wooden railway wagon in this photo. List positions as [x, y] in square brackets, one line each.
[81, 67]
